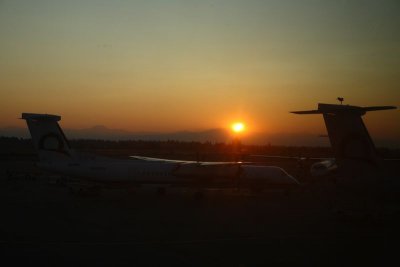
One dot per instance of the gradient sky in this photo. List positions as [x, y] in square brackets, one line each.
[184, 64]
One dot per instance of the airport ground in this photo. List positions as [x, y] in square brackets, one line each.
[44, 222]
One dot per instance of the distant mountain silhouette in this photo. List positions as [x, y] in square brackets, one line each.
[99, 132]
[15, 132]
[211, 135]
[102, 132]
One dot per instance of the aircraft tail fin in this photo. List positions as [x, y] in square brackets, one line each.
[347, 133]
[48, 138]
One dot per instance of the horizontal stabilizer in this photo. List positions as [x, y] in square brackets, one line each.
[378, 108]
[340, 109]
[34, 116]
[307, 112]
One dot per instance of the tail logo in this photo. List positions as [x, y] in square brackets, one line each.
[52, 142]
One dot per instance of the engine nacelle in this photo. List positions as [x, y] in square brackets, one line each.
[323, 168]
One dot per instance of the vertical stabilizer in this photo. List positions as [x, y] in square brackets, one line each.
[47, 137]
[347, 132]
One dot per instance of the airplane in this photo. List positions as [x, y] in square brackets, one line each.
[354, 151]
[56, 155]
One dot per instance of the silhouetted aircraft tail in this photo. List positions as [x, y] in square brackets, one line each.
[346, 130]
[47, 136]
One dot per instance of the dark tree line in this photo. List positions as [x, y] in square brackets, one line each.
[13, 144]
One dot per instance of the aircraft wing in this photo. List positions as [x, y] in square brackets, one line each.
[201, 163]
[290, 158]
[161, 160]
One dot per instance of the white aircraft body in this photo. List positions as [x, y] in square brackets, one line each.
[56, 155]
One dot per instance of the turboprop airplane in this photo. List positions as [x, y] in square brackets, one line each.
[352, 145]
[56, 155]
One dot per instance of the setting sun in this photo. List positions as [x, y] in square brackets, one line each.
[238, 127]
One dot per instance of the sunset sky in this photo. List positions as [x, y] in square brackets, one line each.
[193, 65]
